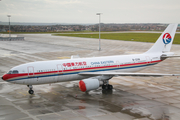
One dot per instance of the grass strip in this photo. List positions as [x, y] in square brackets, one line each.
[141, 37]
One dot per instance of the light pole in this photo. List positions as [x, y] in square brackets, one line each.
[9, 26]
[99, 30]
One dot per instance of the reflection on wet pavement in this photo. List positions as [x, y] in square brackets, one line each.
[132, 97]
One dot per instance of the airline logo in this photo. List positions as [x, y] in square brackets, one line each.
[74, 64]
[167, 38]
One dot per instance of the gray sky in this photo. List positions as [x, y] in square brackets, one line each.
[84, 11]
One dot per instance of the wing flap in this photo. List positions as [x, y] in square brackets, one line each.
[170, 56]
[126, 74]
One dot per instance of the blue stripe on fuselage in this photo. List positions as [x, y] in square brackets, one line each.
[40, 76]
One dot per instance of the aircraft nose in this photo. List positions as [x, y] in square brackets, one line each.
[4, 77]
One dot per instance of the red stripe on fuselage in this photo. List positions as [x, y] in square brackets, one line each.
[11, 76]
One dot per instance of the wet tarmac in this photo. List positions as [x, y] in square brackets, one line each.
[133, 98]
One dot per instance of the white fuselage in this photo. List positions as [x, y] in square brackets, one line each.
[43, 72]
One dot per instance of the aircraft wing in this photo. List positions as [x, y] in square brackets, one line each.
[126, 74]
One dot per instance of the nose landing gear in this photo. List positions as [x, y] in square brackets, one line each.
[31, 91]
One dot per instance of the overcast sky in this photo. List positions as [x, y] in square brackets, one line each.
[84, 11]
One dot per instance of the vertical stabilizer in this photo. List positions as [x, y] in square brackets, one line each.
[164, 42]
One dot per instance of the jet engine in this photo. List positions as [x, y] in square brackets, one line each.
[89, 84]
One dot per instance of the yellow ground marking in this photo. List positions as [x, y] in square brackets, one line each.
[54, 93]
[22, 93]
[64, 57]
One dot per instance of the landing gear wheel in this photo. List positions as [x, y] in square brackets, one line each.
[103, 87]
[31, 92]
[107, 87]
[30, 89]
[110, 87]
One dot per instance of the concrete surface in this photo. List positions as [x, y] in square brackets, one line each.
[134, 98]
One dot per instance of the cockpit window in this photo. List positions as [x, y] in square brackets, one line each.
[10, 72]
[13, 72]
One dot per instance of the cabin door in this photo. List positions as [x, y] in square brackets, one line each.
[118, 64]
[30, 71]
[148, 60]
[60, 69]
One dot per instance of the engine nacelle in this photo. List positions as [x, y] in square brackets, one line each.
[89, 84]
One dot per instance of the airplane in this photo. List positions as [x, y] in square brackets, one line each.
[94, 72]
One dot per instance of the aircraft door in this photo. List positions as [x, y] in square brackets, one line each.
[60, 69]
[148, 60]
[60, 72]
[30, 71]
[118, 64]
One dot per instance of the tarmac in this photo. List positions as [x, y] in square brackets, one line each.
[133, 98]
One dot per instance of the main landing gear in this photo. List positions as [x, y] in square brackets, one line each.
[107, 87]
[31, 91]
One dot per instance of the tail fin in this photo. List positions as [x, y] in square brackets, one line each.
[164, 42]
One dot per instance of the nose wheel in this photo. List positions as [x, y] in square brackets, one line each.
[31, 91]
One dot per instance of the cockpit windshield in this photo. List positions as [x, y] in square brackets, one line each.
[13, 72]
[9, 72]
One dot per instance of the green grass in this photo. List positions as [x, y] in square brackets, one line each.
[141, 37]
